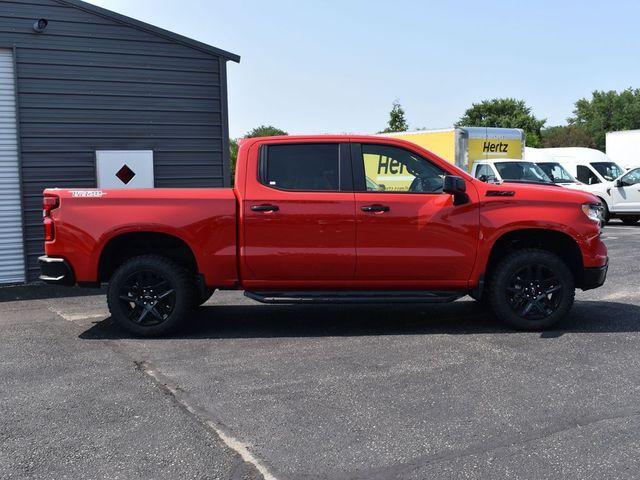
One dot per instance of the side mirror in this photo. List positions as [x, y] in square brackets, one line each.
[621, 183]
[457, 187]
[484, 178]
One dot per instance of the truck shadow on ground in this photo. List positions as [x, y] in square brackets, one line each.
[460, 318]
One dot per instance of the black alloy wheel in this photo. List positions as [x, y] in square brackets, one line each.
[531, 289]
[148, 297]
[534, 292]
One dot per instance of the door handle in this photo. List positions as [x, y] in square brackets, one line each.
[375, 208]
[265, 208]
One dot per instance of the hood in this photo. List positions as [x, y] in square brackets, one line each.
[534, 192]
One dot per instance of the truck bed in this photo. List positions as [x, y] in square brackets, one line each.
[204, 219]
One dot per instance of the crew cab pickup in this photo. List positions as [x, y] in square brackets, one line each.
[305, 223]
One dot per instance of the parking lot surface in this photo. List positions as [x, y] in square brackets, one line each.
[326, 392]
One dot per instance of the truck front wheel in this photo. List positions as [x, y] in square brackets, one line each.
[150, 296]
[531, 289]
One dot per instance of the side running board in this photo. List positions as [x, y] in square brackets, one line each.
[355, 297]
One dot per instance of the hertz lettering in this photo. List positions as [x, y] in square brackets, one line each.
[491, 147]
[388, 166]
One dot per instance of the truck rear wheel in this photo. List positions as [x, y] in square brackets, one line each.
[531, 289]
[150, 296]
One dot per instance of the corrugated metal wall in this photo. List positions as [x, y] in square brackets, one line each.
[11, 242]
[90, 83]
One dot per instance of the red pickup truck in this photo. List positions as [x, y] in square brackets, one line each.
[306, 222]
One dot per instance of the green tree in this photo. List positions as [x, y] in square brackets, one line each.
[261, 131]
[397, 122]
[504, 113]
[233, 157]
[265, 131]
[607, 112]
[566, 136]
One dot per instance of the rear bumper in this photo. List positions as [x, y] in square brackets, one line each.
[56, 271]
[594, 277]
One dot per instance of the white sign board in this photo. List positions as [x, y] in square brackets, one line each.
[124, 168]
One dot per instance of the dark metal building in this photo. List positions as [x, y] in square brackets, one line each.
[85, 80]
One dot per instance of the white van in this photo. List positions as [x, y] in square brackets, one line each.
[498, 170]
[588, 165]
[598, 175]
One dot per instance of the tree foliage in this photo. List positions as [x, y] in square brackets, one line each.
[504, 113]
[233, 156]
[397, 121]
[607, 112]
[265, 131]
[566, 136]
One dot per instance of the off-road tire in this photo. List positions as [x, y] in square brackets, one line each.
[606, 214]
[630, 219]
[178, 281]
[503, 274]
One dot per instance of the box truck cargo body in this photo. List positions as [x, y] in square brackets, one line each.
[464, 145]
[624, 148]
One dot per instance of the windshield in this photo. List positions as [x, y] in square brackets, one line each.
[608, 170]
[527, 171]
[557, 173]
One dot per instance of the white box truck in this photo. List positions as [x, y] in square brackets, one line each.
[624, 148]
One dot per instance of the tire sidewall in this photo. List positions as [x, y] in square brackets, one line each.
[509, 266]
[176, 278]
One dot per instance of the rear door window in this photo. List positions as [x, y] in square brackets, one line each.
[302, 167]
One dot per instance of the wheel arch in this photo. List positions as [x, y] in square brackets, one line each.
[553, 241]
[125, 245]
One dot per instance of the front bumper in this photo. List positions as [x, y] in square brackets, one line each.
[56, 271]
[594, 277]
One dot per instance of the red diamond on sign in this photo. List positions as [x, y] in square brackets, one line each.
[125, 174]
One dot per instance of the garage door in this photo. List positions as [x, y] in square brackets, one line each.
[11, 245]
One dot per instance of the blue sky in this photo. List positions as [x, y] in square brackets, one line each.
[337, 66]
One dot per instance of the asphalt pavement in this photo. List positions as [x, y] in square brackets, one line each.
[250, 391]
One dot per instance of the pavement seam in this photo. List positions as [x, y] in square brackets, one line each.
[74, 318]
[182, 398]
[500, 443]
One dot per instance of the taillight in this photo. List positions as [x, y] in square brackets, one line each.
[49, 230]
[49, 203]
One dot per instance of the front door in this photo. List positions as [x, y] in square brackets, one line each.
[298, 218]
[625, 197]
[409, 233]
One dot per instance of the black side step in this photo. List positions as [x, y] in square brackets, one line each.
[356, 297]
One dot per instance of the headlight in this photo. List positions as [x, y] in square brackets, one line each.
[593, 211]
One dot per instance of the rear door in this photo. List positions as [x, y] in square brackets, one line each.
[298, 217]
[626, 197]
[409, 233]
